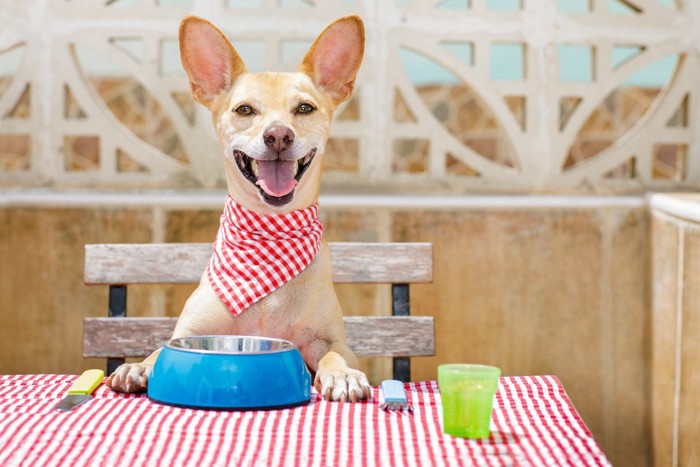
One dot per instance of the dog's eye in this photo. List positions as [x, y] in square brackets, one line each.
[244, 110]
[305, 108]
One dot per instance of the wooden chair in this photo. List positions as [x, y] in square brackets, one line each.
[399, 336]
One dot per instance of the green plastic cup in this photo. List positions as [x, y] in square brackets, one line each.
[467, 398]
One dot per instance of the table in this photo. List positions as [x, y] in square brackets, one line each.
[534, 423]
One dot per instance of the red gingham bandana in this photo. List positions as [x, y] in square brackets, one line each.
[255, 254]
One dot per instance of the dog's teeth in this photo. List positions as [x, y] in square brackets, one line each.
[255, 167]
[296, 167]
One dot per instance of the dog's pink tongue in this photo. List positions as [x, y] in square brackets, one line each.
[276, 178]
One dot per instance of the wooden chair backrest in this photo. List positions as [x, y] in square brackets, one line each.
[118, 265]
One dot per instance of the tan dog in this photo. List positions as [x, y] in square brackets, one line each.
[284, 118]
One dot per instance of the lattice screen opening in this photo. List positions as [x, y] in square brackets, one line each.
[15, 146]
[402, 112]
[23, 106]
[169, 63]
[623, 53]
[137, 3]
[187, 106]
[410, 156]
[175, 3]
[244, 4]
[669, 162]
[292, 52]
[129, 101]
[454, 166]
[574, 6]
[254, 4]
[447, 4]
[626, 170]
[350, 110]
[122, 3]
[297, 3]
[132, 46]
[623, 7]
[455, 106]
[517, 104]
[81, 153]
[342, 155]
[253, 52]
[127, 164]
[71, 108]
[680, 119]
[15, 152]
[507, 61]
[504, 5]
[10, 62]
[567, 106]
[463, 50]
[576, 63]
[624, 108]
[636, 7]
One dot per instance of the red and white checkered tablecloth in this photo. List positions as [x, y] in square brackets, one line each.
[534, 423]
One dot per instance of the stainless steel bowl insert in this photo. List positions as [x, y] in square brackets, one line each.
[230, 344]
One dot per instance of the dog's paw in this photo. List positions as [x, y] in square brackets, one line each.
[129, 377]
[344, 384]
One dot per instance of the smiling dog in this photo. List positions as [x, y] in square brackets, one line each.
[270, 273]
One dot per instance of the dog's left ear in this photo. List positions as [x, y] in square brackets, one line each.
[334, 59]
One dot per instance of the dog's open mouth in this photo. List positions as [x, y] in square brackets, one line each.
[275, 179]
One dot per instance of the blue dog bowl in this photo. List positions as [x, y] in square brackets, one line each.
[230, 373]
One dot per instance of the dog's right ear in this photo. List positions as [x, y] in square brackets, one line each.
[209, 59]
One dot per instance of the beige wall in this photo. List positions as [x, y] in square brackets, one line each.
[675, 330]
[541, 290]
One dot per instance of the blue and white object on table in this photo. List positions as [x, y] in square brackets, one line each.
[230, 372]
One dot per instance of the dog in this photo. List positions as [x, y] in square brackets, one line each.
[273, 128]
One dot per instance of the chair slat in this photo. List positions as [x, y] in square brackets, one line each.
[368, 336]
[153, 263]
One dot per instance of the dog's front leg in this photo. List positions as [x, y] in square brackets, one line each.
[337, 380]
[203, 314]
[133, 377]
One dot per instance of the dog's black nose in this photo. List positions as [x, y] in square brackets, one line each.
[278, 138]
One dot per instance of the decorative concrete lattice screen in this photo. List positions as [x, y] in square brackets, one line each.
[568, 96]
